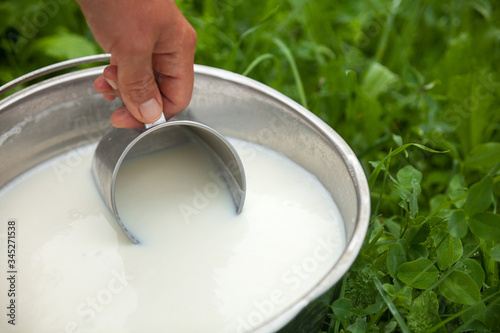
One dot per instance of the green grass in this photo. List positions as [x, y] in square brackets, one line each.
[413, 87]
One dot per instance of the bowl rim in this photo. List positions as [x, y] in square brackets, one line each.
[353, 245]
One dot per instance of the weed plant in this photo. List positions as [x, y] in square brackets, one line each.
[412, 86]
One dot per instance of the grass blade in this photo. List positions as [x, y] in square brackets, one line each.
[256, 62]
[296, 75]
[391, 306]
[376, 171]
[266, 18]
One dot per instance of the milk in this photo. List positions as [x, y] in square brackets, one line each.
[199, 266]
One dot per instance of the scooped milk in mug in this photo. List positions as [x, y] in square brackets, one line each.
[199, 267]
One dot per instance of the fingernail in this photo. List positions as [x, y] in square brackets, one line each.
[150, 110]
[112, 84]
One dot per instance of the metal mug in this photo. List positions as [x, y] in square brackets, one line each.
[118, 145]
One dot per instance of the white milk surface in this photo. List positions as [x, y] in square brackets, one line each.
[199, 267]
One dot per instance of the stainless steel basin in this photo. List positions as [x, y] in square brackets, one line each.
[65, 112]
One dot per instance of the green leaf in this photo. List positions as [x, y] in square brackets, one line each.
[420, 273]
[418, 251]
[492, 317]
[424, 312]
[495, 253]
[377, 80]
[390, 327]
[65, 45]
[474, 312]
[479, 197]
[473, 269]
[389, 289]
[342, 308]
[483, 7]
[486, 225]
[457, 225]
[449, 252]
[414, 198]
[372, 309]
[360, 326]
[395, 257]
[483, 156]
[418, 234]
[407, 176]
[457, 189]
[393, 227]
[403, 298]
[460, 288]
[475, 325]
[398, 139]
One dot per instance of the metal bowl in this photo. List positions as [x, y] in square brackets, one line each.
[65, 112]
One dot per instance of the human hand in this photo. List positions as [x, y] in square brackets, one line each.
[152, 49]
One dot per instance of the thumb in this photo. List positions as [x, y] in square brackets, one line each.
[138, 87]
